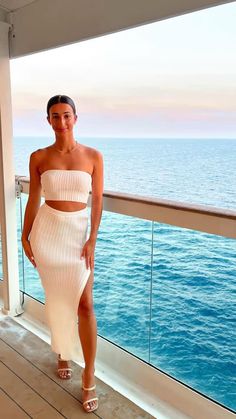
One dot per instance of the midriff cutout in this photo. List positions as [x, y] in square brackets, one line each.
[66, 205]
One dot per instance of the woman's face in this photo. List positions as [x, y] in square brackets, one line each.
[62, 118]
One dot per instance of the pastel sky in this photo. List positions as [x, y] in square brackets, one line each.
[171, 79]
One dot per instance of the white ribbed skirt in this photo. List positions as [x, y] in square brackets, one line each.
[56, 239]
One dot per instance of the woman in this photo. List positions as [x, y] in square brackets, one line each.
[56, 241]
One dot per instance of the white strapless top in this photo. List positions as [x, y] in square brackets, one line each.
[66, 185]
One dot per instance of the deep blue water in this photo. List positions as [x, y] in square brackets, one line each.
[195, 171]
[171, 301]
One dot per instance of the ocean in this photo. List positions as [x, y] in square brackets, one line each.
[164, 293]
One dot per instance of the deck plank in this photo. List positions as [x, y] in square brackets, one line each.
[25, 396]
[31, 359]
[37, 381]
[9, 408]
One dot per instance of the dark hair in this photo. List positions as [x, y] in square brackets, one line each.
[60, 99]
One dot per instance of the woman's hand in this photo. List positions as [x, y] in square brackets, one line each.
[88, 252]
[28, 251]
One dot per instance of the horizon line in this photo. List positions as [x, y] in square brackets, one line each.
[135, 138]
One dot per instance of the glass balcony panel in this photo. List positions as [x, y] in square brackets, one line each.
[193, 313]
[186, 326]
[122, 282]
[30, 282]
[19, 220]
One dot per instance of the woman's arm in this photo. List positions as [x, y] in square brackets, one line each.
[97, 196]
[96, 210]
[33, 204]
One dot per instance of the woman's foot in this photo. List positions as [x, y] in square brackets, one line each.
[90, 399]
[64, 371]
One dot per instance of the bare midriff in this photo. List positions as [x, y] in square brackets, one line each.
[66, 205]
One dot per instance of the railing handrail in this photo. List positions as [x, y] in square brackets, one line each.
[213, 220]
[197, 208]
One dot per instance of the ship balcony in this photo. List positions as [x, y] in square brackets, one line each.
[152, 257]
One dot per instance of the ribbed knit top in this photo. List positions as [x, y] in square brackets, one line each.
[66, 185]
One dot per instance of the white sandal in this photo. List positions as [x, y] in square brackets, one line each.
[68, 370]
[91, 409]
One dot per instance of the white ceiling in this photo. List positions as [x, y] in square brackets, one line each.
[37, 25]
[10, 5]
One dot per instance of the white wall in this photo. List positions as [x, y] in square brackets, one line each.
[11, 294]
[3, 15]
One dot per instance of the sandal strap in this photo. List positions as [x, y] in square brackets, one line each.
[60, 359]
[64, 369]
[89, 388]
[91, 400]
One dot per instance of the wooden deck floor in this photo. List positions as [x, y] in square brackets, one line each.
[30, 388]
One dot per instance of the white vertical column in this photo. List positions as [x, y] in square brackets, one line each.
[11, 294]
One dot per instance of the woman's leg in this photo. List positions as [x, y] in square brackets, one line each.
[88, 337]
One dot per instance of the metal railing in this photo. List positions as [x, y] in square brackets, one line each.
[152, 255]
[219, 221]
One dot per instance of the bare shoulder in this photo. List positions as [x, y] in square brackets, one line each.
[39, 156]
[36, 157]
[93, 155]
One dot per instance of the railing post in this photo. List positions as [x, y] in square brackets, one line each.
[11, 292]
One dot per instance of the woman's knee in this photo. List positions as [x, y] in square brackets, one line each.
[86, 301]
[86, 306]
